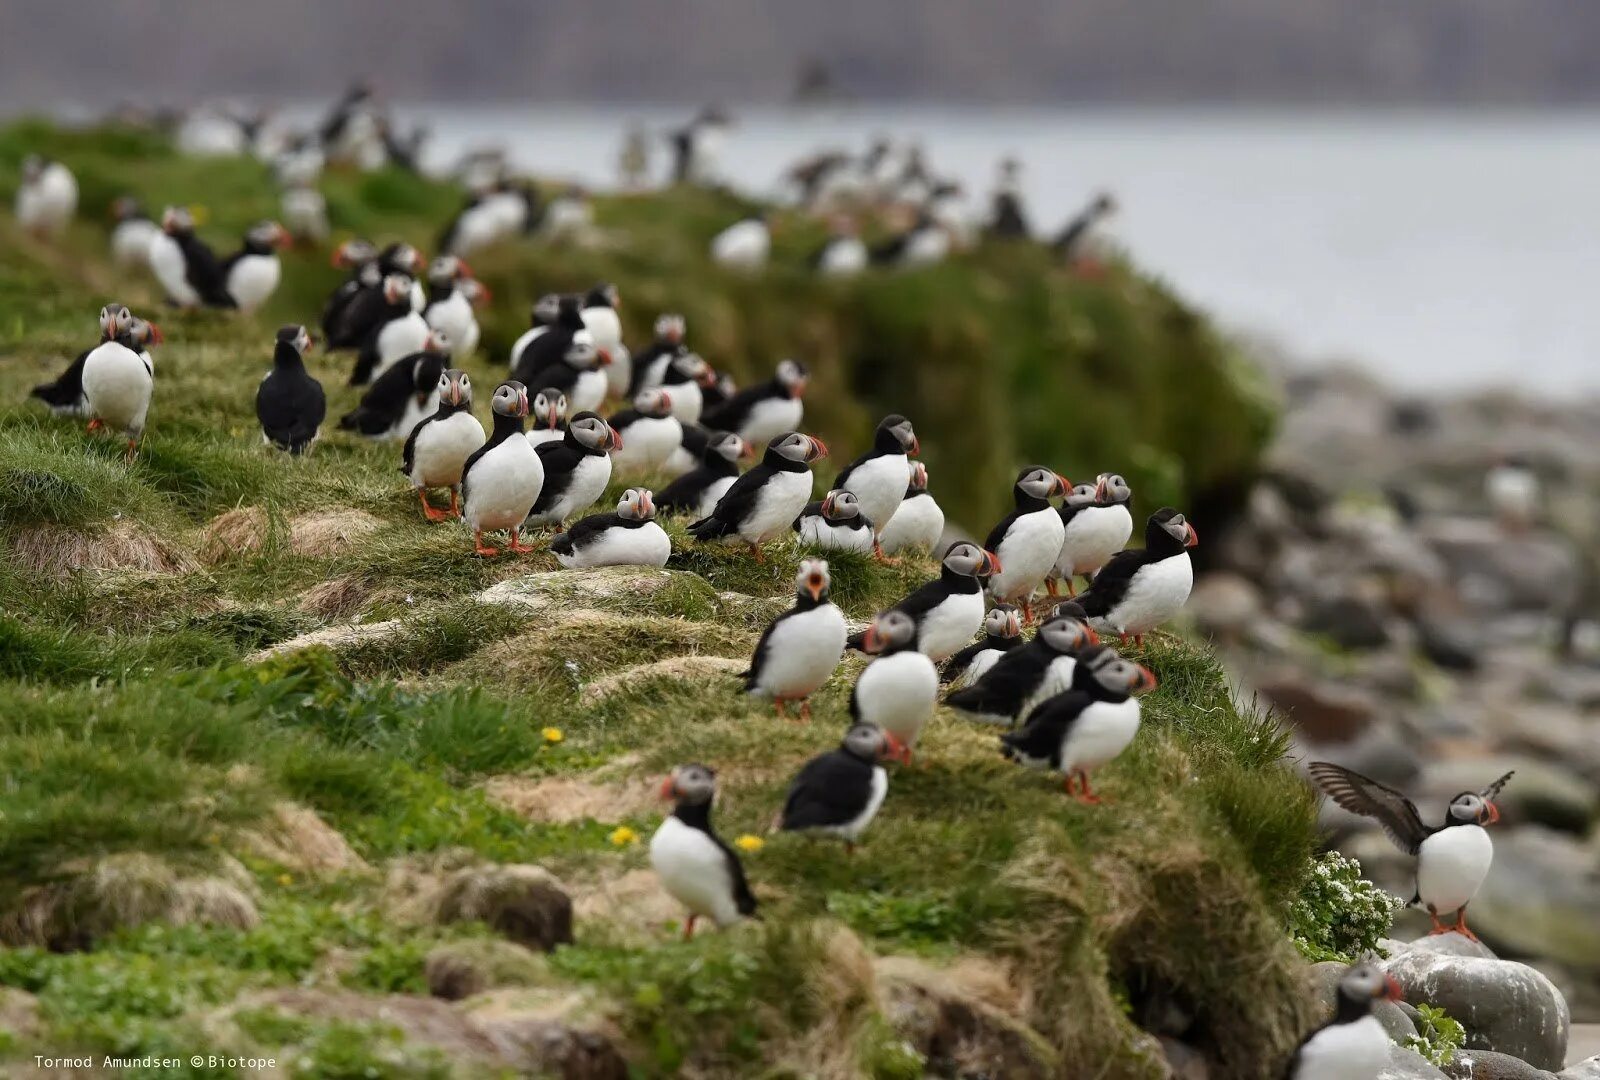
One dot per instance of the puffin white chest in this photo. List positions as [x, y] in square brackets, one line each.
[1092, 537]
[1027, 553]
[819, 532]
[442, 448]
[503, 485]
[803, 650]
[170, 267]
[947, 627]
[604, 326]
[777, 503]
[917, 522]
[648, 442]
[926, 247]
[414, 413]
[771, 417]
[897, 693]
[642, 545]
[131, 239]
[688, 402]
[588, 391]
[399, 338]
[694, 870]
[589, 479]
[477, 227]
[879, 483]
[978, 668]
[252, 280]
[1354, 1051]
[713, 494]
[117, 385]
[1157, 592]
[454, 316]
[1100, 733]
[1451, 865]
[540, 435]
[743, 245]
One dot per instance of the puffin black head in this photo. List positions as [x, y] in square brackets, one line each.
[688, 367]
[1107, 674]
[581, 354]
[637, 504]
[1069, 609]
[840, 505]
[1111, 489]
[891, 632]
[114, 319]
[694, 785]
[592, 433]
[264, 236]
[426, 371]
[813, 580]
[1036, 484]
[354, 253]
[402, 257]
[670, 328]
[396, 289]
[655, 403]
[570, 313]
[455, 389]
[1003, 621]
[603, 295]
[967, 559]
[177, 221]
[510, 399]
[1169, 531]
[546, 310]
[437, 341]
[1361, 985]
[919, 479]
[126, 208]
[1104, 204]
[792, 376]
[447, 270]
[727, 446]
[870, 743]
[296, 336]
[1067, 636]
[793, 446]
[549, 408]
[895, 436]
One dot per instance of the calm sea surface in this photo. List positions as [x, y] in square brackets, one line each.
[1443, 249]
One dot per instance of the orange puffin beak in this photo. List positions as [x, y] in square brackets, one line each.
[991, 563]
[616, 438]
[522, 403]
[669, 789]
[747, 450]
[916, 447]
[819, 449]
[156, 337]
[1063, 485]
[605, 357]
[1099, 491]
[892, 747]
[1391, 989]
[814, 586]
[871, 641]
[1494, 813]
[799, 388]
[666, 399]
[1193, 538]
[1143, 681]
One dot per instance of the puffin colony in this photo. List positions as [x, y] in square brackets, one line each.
[577, 406]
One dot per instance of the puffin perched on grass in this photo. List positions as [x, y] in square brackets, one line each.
[1138, 590]
[1024, 676]
[696, 492]
[404, 394]
[290, 402]
[64, 396]
[947, 611]
[502, 479]
[840, 792]
[800, 648]
[1096, 525]
[834, 523]
[763, 503]
[761, 412]
[1002, 632]
[437, 449]
[549, 416]
[576, 469]
[898, 689]
[118, 381]
[879, 478]
[701, 872]
[1028, 539]
[918, 522]
[627, 537]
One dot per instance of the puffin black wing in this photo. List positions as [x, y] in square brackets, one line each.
[830, 790]
[998, 533]
[957, 664]
[1361, 795]
[383, 403]
[735, 504]
[742, 896]
[1110, 585]
[560, 462]
[1040, 738]
[203, 271]
[67, 390]
[684, 492]
[357, 317]
[566, 543]
[290, 410]
[731, 414]
[1005, 686]
[408, 456]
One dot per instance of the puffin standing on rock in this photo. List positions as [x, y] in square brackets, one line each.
[761, 412]
[438, 447]
[1028, 539]
[898, 689]
[576, 469]
[1354, 1043]
[1452, 859]
[1002, 632]
[696, 492]
[763, 503]
[1138, 590]
[946, 612]
[628, 537]
[840, 792]
[694, 864]
[800, 648]
[1096, 526]
[502, 480]
[879, 478]
[917, 522]
[290, 403]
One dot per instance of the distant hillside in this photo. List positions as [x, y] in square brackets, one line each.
[1173, 51]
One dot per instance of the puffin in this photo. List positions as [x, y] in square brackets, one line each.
[1452, 858]
[1085, 726]
[835, 523]
[360, 257]
[689, 453]
[502, 479]
[842, 254]
[628, 537]
[549, 417]
[544, 344]
[879, 478]
[686, 378]
[131, 232]
[1080, 242]
[898, 689]
[290, 402]
[47, 197]
[568, 216]
[697, 146]
[118, 380]
[1027, 675]
[1028, 539]
[1096, 526]
[648, 433]
[801, 647]
[598, 310]
[651, 363]
[947, 611]
[453, 293]
[763, 503]
[1353, 1045]
[694, 864]
[404, 394]
[759, 413]
[925, 243]
[1008, 219]
[546, 311]
[696, 492]
[64, 396]
[744, 245]
[305, 213]
[918, 522]
[480, 222]
[184, 264]
[576, 469]
[250, 275]
[839, 793]
[399, 331]
[1002, 632]
[1138, 590]
[438, 447]
[577, 371]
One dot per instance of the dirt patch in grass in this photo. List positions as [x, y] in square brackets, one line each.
[329, 532]
[336, 638]
[673, 667]
[300, 840]
[54, 552]
[236, 532]
[630, 905]
[339, 598]
[564, 799]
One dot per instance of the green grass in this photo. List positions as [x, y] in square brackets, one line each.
[136, 719]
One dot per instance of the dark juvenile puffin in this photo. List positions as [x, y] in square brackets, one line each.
[1025, 676]
[250, 275]
[438, 447]
[898, 689]
[1353, 1045]
[1085, 726]
[949, 610]
[800, 648]
[627, 537]
[694, 864]
[1138, 590]
[648, 366]
[1452, 859]
[834, 523]
[879, 478]
[404, 394]
[545, 313]
[649, 433]
[549, 417]
[1096, 525]
[759, 413]
[840, 792]
[400, 331]
[502, 479]
[289, 402]
[696, 492]
[762, 504]
[184, 264]
[1028, 539]
[576, 469]
[917, 522]
[1002, 632]
[65, 395]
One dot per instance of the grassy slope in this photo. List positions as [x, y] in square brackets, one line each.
[129, 723]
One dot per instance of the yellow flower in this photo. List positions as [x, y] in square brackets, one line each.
[751, 843]
[553, 735]
[622, 836]
[285, 879]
